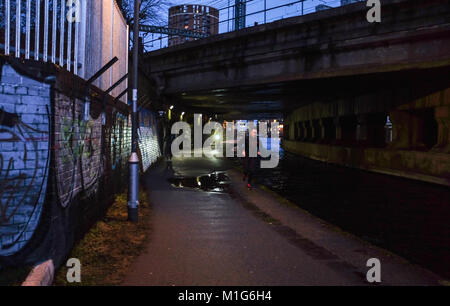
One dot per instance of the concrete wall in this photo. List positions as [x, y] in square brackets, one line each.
[331, 43]
[107, 36]
[55, 167]
[355, 132]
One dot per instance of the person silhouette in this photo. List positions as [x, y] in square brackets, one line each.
[250, 163]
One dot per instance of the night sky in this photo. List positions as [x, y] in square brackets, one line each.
[253, 7]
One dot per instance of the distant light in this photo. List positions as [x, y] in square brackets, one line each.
[217, 137]
[171, 107]
[182, 114]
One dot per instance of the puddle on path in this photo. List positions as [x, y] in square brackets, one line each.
[214, 182]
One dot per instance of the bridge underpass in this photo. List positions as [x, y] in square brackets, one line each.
[323, 57]
[369, 96]
[276, 100]
[337, 82]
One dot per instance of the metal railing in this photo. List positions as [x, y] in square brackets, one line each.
[257, 12]
[45, 30]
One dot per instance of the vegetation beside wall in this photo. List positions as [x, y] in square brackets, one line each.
[107, 251]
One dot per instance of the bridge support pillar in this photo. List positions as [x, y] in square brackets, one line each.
[299, 131]
[317, 130]
[337, 121]
[307, 131]
[323, 135]
[407, 130]
[442, 116]
[400, 130]
[370, 130]
[376, 134]
[362, 129]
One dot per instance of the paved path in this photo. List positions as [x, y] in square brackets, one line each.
[246, 237]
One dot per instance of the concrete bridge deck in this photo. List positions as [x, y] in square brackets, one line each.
[322, 57]
[244, 237]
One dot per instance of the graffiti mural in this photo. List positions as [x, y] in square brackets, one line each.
[78, 158]
[148, 139]
[55, 164]
[120, 147]
[24, 167]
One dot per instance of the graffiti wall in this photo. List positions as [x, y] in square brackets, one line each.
[55, 164]
[148, 139]
[24, 157]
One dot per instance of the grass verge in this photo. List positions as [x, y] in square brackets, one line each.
[108, 249]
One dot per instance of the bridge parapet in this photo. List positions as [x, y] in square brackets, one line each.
[332, 43]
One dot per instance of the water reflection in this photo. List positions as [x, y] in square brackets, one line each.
[213, 182]
[405, 216]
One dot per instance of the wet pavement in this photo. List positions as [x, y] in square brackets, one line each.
[211, 182]
[220, 233]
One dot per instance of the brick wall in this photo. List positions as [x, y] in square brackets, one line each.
[148, 139]
[57, 170]
[24, 156]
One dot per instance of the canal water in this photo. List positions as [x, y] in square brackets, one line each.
[408, 217]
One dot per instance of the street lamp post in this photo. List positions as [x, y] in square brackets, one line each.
[133, 192]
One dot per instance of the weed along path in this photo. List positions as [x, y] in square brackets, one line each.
[213, 234]
[109, 247]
